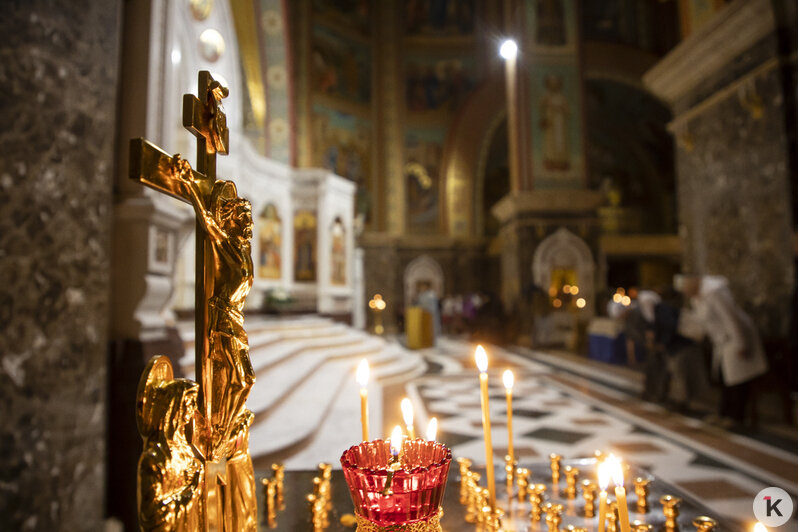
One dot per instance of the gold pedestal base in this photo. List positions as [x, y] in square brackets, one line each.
[433, 524]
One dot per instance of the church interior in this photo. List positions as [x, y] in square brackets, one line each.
[601, 193]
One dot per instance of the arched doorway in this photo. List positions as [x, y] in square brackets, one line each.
[421, 272]
[564, 268]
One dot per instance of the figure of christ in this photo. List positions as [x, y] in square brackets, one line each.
[227, 220]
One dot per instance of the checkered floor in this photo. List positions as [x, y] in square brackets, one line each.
[555, 411]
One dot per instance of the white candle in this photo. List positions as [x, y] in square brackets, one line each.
[407, 414]
[482, 364]
[362, 378]
[509, 380]
[432, 429]
[604, 482]
[620, 493]
[396, 442]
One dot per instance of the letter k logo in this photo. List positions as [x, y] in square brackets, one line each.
[772, 506]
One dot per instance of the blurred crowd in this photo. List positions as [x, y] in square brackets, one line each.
[690, 339]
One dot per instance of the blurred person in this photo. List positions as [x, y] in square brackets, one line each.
[638, 328]
[737, 353]
[448, 314]
[683, 356]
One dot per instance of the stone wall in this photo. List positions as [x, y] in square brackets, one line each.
[734, 159]
[58, 65]
[734, 202]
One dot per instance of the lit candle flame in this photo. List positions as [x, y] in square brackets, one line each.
[481, 358]
[603, 475]
[759, 527]
[362, 376]
[615, 470]
[407, 411]
[509, 380]
[396, 440]
[432, 429]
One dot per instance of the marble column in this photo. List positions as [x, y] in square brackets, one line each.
[734, 158]
[58, 64]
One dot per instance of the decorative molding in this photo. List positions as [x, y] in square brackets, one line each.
[720, 95]
[641, 245]
[734, 29]
[371, 240]
[546, 202]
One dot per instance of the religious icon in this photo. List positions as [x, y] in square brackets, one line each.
[305, 246]
[551, 23]
[439, 17]
[161, 245]
[341, 143]
[437, 83]
[270, 236]
[338, 259]
[554, 114]
[424, 151]
[339, 68]
[356, 13]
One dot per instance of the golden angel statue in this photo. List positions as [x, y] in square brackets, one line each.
[170, 471]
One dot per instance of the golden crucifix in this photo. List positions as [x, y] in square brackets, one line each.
[195, 472]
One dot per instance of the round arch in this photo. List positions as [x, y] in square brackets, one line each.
[422, 269]
[465, 149]
[563, 249]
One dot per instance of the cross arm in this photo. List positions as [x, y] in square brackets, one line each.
[154, 167]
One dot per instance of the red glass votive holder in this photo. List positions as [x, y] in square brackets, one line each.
[416, 489]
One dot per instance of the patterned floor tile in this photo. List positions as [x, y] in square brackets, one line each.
[527, 413]
[591, 421]
[557, 435]
[640, 447]
[568, 416]
[717, 489]
[522, 452]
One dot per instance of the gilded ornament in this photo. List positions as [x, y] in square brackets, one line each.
[195, 472]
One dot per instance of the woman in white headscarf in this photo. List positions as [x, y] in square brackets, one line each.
[737, 353]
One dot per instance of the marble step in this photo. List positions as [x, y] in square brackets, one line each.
[404, 365]
[274, 386]
[278, 345]
[304, 410]
[268, 355]
[282, 428]
[338, 429]
[256, 324]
